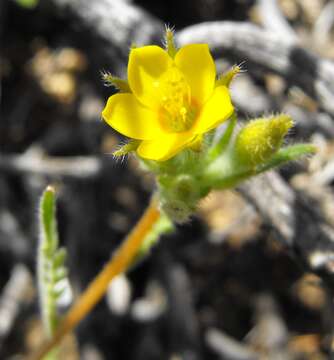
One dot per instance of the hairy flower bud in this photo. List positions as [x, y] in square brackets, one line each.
[261, 138]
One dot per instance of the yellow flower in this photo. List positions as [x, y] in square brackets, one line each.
[173, 100]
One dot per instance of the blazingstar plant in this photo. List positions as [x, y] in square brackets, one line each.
[169, 108]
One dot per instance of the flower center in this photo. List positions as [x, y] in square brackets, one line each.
[178, 110]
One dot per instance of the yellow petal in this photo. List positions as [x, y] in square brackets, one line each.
[198, 67]
[164, 148]
[216, 110]
[128, 116]
[146, 65]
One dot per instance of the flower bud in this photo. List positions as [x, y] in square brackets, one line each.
[261, 138]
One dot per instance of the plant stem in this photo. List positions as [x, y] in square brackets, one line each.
[118, 263]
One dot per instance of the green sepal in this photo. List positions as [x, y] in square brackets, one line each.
[170, 43]
[227, 77]
[132, 145]
[120, 84]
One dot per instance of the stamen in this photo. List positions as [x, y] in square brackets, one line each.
[177, 112]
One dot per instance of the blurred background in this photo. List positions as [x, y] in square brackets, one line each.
[251, 276]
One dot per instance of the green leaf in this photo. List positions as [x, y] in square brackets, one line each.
[223, 142]
[28, 4]
[59, 258]
[48, 224]
[51, 258]
[60, 274]
[289, 153]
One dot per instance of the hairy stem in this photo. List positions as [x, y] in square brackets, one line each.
[119, 263]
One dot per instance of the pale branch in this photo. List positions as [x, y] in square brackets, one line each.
[78, 167]
[118, 22]
[273, 19]
[296, 220]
